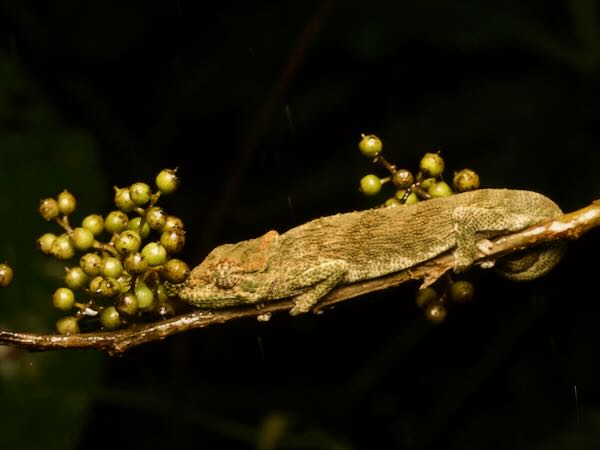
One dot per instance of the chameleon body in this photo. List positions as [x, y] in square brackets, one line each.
[308, 261]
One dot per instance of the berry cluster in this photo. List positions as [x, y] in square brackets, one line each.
[427, 184]
[122, 278]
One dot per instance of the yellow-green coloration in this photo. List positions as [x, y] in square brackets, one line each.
[370, 184]
[6, 275]
[462, 291]
[167, 181]
[370, 145]
[439, 189]
[310, 260]
[432, 164]
[465, 180]
[66, 202]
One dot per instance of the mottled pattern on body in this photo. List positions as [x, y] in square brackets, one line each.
[308, 261]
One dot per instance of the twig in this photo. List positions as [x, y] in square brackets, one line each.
[567, 226]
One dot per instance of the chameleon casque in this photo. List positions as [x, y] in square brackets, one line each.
[308, 261]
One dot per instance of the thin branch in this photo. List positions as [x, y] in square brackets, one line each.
[567, 226]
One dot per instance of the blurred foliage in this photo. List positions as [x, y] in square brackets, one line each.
[40, 155]
[261, 105]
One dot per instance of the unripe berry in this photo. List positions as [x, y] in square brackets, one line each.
[370, 184]
[91, 264]
[156, 218]
[370, 145]
[439, 189]
[128, 241]
[134, 224]
[94, 223]
[82, 238]
[75, 278]
[465, 180]
[154, 253]
[63, 298]
[67, 325]
[111, 267]
[127, 304]
[115, 222]
[66, 202]
[135, 263]
[140, 193]
[172, 222]
[48, 208]
[167, 181]
[109, 317]
[175, 271]
[436, 312]
[173, 240]
[432, 164]
[462, 291]
[62, 247]
[123, 199]
[6, 275]
[108, 287]
[145, 296]
[44, 243]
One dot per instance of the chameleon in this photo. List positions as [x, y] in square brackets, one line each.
[308, 261]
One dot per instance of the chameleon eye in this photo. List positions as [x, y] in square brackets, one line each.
[223, 275]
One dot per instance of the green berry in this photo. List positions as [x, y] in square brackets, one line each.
[115, 222]
[410, 200]
[140, 193]
[108, 287]
[91, 264]
[154, 253]
[427, 183]
[48, 208]
[462, 291]
[63, 298]
[67, 325]
[436, 312]
[6, 275]
[135, 263]
[82, 238]
[62, 247]
[127, 304]
[432, 164]
[123, 200]
[370, 184]
[94, 223]
[370, 145]
[175, 271]
[128, 241]
[392, 201]
[145, 296]
[66, 202]
[173, 240]
[172, 222]
[94, 285]
[44, 243]
[110, 319]
[425, 296]
[124, 281]
[465, 180]
[134, 224]
[156, 218]
[111, 267]
[75, 278]
[439, 189]
[167, 181]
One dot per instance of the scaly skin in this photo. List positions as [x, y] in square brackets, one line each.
[310, 260]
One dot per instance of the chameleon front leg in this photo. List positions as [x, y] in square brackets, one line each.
[314, 283]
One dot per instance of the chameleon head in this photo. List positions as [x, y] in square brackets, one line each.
[232, 274]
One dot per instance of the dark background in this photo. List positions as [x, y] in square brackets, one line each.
[261, 105]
